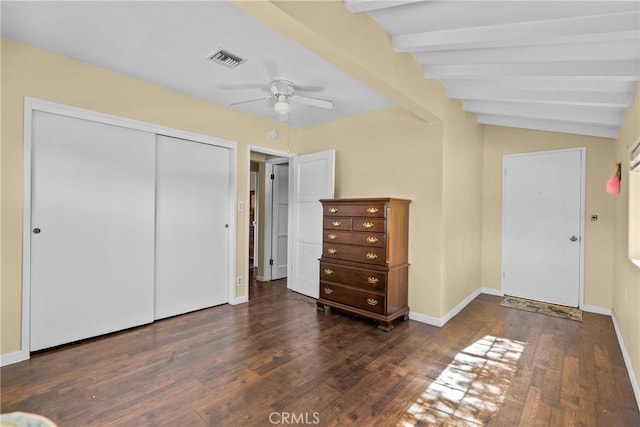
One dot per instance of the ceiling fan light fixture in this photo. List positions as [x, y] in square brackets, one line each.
[282, 106]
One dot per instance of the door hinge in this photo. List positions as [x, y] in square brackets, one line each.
[273, 176]
[270, 262]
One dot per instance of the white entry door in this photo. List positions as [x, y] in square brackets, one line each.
[192, 234]
[279, 220]
[312, 179]
[92, 213]
[542, 221]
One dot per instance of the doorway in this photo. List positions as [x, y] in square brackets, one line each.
[543, 225]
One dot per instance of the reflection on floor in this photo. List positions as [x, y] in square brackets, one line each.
[471, 389]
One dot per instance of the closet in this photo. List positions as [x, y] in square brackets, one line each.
[127, 226]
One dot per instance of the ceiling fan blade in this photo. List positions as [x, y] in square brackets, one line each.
[246, 101]
[314, 102]
[243, 86]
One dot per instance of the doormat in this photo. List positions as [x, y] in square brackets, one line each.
[556, 310]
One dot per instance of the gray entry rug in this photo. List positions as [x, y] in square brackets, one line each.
[556, 310]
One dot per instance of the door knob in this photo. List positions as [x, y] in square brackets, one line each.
[573, 238]
[36, 231]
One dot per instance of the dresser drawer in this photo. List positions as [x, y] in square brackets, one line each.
[372, 225]
[352, 297]
[375, 256]
[364, 239]
[338, 223]
[361, 278]
[374, 210]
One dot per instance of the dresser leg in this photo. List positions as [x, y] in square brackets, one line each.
[320, 306]
[385, 326]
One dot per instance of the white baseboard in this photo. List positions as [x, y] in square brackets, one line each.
[13, 357]
[627, 360]
[239, 300]
[260, 278]
[492, 291]
[423, 318]
[597, 309]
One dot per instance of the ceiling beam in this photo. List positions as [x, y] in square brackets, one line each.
[590, 115]
[547, 83]
[621, 22]
[605, 70]
[610, 50]
[358, 6]
[552, 126]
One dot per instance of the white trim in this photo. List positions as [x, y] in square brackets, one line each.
[240, 300]
[458, 308]
[627, 360]
[266, 193]
[596, 309]
[423, 318]
[492, 291]
[13, 357]
[34, 104]
[583, 183]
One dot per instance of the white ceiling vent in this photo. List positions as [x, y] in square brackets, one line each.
[226, 58]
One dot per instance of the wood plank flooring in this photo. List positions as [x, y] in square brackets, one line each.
[278, 361]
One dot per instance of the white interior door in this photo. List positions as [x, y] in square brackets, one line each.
[312, 178]
[542, 215]
[192, 234]
[279, 218]
[92, 216]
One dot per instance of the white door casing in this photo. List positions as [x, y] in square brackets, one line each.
[192, 219]
[91, 262]
[542, 226]
[279, 220]
[311, 179]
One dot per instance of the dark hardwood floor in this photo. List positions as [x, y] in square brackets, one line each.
[278, 361]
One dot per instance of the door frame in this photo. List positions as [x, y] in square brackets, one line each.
[35, 104]
[282, 157]
[268, 215]
[583, 180]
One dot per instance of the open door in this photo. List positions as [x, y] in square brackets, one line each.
[279, 220]
[311, 178]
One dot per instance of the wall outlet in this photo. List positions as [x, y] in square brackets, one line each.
[239, 281]
[240, 206]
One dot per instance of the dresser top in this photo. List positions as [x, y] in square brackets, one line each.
[365, 200]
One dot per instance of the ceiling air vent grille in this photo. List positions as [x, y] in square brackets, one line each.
[226, 58]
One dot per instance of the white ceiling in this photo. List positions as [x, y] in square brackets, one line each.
[167, 43]
[567, 66]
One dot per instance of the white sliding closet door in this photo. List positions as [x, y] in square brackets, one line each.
[92, 221]
[192, 234]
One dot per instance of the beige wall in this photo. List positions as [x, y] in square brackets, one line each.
[626, 276]
[499, 141]
[462, 208]
[31, 72]
[392, 153]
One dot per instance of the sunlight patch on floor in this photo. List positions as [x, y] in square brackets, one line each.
[472, 387]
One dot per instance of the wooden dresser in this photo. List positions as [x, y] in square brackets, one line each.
[364, 264]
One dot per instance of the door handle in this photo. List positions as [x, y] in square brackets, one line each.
[573, 238]
[36, 230]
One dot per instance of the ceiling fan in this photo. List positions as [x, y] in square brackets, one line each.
[283, 92]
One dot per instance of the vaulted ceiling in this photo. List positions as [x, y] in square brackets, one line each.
[566, 66]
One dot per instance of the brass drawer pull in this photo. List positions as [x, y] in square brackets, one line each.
[336, 223]
[328, 271]
[372, 210]
[329, 291]
[332, 251]
[371, 255]
[371, 301]
[333, 210]
[332, 236]
[372, 239]
[367, 224]
[373, 280]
